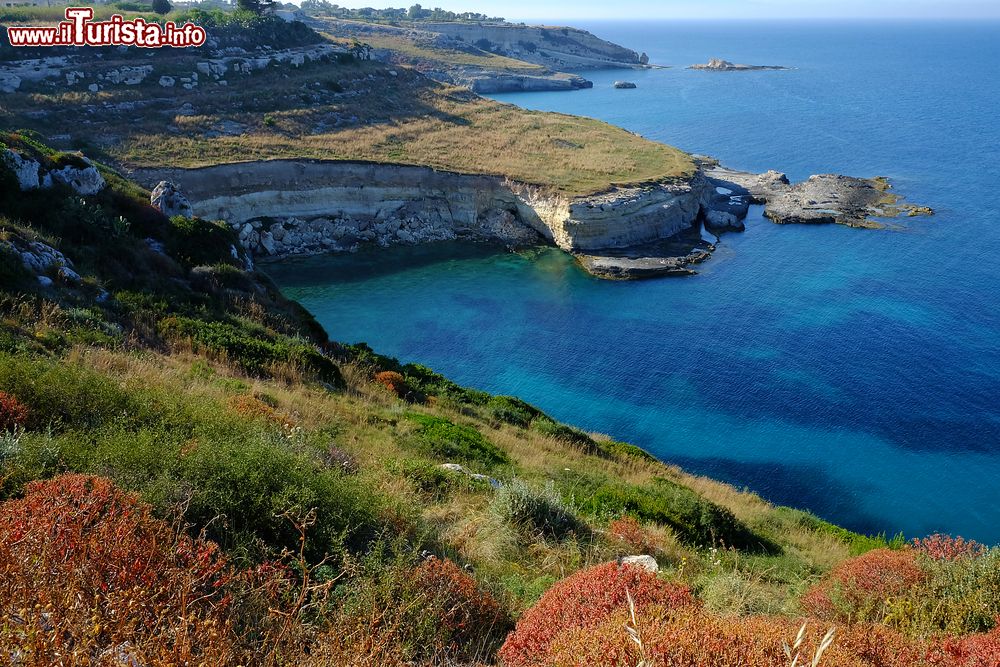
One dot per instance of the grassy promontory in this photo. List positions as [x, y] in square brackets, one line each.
[337, 108]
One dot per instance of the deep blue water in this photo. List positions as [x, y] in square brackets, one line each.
[850, 372]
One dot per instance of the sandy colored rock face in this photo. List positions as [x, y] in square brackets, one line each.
[363, 202]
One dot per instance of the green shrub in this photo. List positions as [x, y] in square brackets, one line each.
[410, 612]
[695, 520]
[253, 350]
[427, 381]
[431, 480]
[445, 440]
[511, 410]
[541, 510]
[573, 436]
[857, 543]
[249, 30]
[70, 396]
[235, 476]
[13, 274]
[196, 242]
[624, 450]
[959, 596]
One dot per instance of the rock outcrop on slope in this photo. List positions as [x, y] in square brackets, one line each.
[719, 65]
[81, 175]
[85, 72]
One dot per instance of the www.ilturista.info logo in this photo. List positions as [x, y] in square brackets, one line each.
[79, 30]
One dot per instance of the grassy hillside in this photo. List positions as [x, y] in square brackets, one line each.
[290, 504]
[341, 108]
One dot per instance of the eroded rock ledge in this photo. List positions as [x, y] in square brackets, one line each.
[298, 207]
[282, 208]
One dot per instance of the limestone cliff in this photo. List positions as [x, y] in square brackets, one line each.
[555, 47]
[487, 58]
[286, 207]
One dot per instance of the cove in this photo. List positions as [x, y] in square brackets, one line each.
[848, 372]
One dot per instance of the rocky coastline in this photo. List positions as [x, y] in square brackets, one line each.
[287, 208]
[490, 58]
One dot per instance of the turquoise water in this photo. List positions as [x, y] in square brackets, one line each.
[850, 372]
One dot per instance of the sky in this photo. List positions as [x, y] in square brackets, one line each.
[517, 10]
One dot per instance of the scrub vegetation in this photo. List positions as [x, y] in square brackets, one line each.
[191, 472]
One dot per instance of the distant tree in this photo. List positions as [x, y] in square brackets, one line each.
[161, 6]
[256, 6]
[417, 12]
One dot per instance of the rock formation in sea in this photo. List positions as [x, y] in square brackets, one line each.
[719, 65]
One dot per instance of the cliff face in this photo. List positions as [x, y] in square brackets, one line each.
[555, 47]
[487, 58]
[287, 207]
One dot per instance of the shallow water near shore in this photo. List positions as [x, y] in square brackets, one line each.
[849, 372]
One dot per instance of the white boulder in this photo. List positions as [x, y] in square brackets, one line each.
[84, 180]
[169, 201]
[24, 168]
[645, 562]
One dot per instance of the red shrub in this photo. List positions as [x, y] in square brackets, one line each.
[252, 407]
[970, 651]
[630, 532]
[394, 382]
[431, 614]
[861, 588]
[13, 413]
[584, 601]
[945, 547]
[85, 568]
[691, 637]
[465, 611]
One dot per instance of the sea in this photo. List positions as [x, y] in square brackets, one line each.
[851, 373]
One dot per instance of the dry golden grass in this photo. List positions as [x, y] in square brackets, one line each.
[294, 113]
[411, 50]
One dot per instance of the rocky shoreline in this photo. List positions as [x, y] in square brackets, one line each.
[286, 208]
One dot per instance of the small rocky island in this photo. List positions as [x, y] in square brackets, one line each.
[719, 65]
[624, 85]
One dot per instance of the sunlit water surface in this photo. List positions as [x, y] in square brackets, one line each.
[850, 372]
